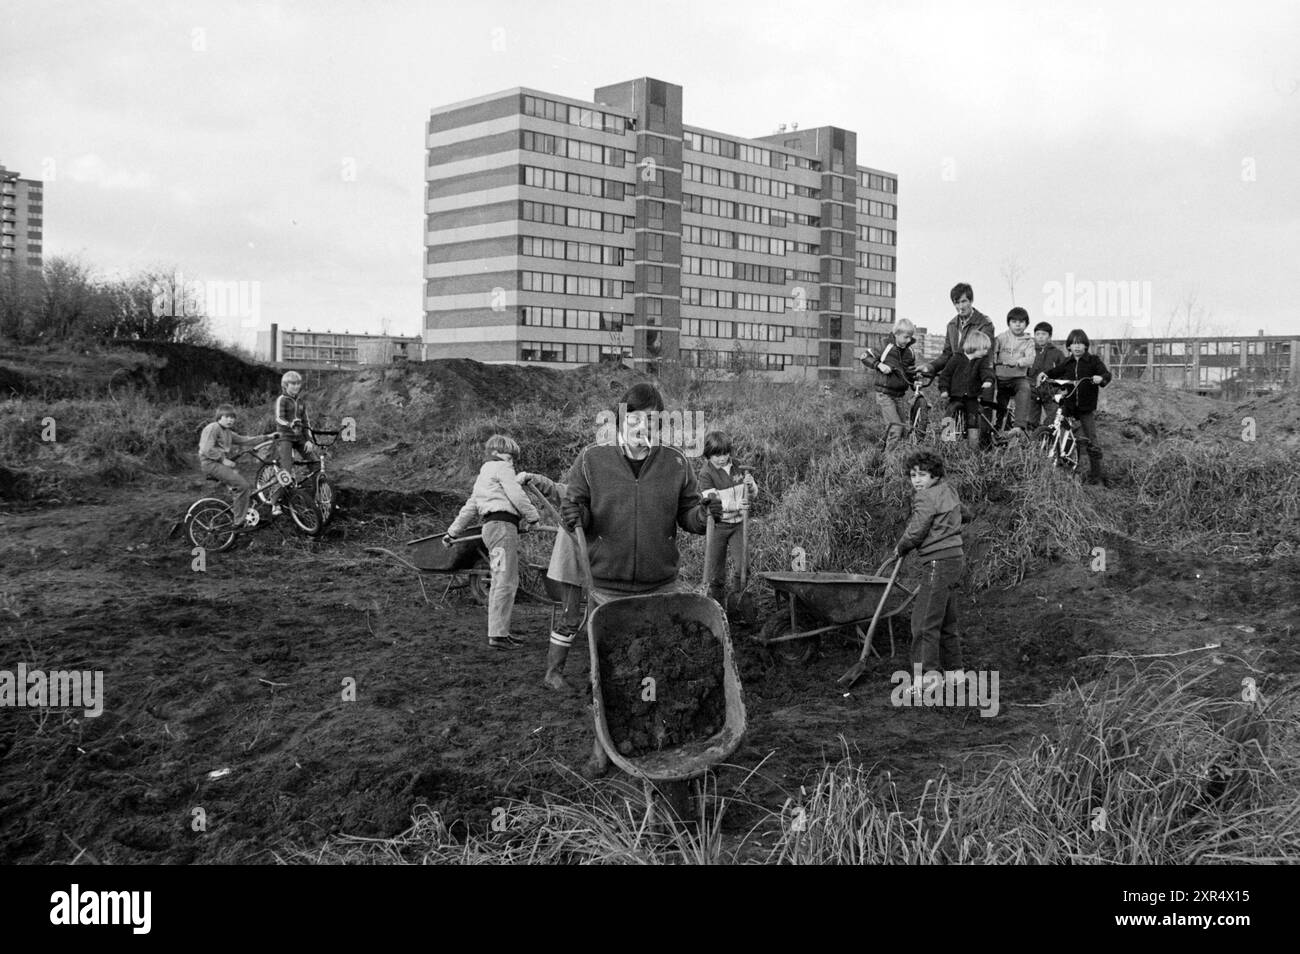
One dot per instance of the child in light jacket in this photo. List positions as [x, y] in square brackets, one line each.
[500, 503]
[1013, 355]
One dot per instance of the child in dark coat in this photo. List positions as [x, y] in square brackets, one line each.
[1081, 404]
[967, 380]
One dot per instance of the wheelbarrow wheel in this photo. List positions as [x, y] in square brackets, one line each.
[479, 586]
[793, 652]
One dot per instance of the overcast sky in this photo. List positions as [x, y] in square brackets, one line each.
[1112, 142]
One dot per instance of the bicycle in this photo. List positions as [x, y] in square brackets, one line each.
[322, 490]
[1058, 441]
[917, 430]
[997, 426]
[210, 521]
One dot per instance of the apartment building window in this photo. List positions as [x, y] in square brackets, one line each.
[837, 160]
[654, 246]
[654, 276]
[655, 215]
[654, 311]
[837, 216]
[837, 243]
[837, 271]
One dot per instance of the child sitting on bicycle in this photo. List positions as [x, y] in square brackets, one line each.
[291, 430]
[896, 367]
[565, 571]
[721, 478]
[500, 503]
[965, 381]
[1046, 356]
[1081, 402]
[217, 444]
[1014, 353]
[934, 532]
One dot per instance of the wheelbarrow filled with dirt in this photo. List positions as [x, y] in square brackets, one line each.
[811, 604]
[665, 687]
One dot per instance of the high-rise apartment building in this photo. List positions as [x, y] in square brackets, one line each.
[22, 218]
[567, 231]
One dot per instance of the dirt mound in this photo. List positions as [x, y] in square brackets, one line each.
[164, 371]
[686, 700]
[1144, 412]
[1276, 419]
[440, 393]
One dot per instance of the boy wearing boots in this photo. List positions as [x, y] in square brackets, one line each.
[630, 498]
[1081, 405]
[564, 570]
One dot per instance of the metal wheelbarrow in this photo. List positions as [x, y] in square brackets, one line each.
[817, 603]
[684, 762]
[465, 564]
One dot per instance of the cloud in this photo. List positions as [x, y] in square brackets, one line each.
[90, 169]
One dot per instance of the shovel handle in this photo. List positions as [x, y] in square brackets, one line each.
[708, 550]
[866, 646]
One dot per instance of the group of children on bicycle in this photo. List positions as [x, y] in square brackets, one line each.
[219, 440]
[986, 377]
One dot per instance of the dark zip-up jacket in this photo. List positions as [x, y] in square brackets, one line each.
[1045, 358]
[902, 369]
[1084, 400]
[632, 530]
[955, 339]
[964, 378]
[934, 530]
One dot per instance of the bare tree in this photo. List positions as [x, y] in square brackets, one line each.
[1012, 272]
[1191, 319]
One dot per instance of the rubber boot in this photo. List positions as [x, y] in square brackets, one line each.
[556, 654]
[598, 764]
[1095, 473]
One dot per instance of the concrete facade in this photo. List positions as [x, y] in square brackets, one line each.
[569, 231]
[22, 219]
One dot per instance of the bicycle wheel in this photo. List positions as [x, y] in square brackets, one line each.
[265, 475]
[918, 418]
[954, 427]
[302, 508]
[210, 525]
[1068, 454]
[325, 499]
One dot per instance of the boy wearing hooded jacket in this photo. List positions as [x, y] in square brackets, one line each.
[934, 532]
[1081, 404]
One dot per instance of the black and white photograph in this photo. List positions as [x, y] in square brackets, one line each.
[721, 433]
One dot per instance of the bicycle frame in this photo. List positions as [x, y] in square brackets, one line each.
[1062, 448]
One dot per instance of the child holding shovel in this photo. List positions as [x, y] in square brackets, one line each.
[564, 570]
[934, 532]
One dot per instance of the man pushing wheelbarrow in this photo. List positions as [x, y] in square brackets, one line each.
[627, 500]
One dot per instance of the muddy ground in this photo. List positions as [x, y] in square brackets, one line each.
[243, 668]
